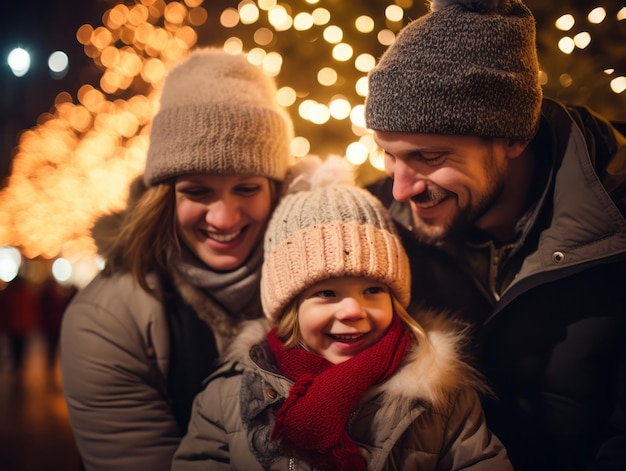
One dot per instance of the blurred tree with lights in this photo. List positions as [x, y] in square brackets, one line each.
[76, 163]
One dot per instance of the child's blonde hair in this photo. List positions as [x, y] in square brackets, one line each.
[288, 328]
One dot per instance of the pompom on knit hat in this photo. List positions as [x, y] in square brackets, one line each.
[469, 67]
[218, 114]
[324, 227]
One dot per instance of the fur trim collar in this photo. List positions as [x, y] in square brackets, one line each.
[438, 367]
[432, 371]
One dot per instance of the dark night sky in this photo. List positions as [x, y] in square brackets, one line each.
[41, 27]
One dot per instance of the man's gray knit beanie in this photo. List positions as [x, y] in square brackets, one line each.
[218, 114]
[469, 67]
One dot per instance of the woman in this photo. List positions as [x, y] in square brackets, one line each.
[182, 269]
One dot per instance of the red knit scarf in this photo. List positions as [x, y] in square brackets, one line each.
[311, 422]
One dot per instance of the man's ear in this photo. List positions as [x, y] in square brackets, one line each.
[515, 148]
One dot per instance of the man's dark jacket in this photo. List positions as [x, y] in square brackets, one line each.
[553, 346]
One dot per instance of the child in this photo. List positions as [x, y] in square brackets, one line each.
[346, 379]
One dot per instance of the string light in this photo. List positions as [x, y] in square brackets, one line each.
[565, 22]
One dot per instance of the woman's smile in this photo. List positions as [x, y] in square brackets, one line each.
[222, 238]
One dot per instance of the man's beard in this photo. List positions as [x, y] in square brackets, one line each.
[456, 230]
[440, 236]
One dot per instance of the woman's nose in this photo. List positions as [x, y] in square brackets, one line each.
[223, 214]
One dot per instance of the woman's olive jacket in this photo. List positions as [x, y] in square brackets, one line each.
[131, 365]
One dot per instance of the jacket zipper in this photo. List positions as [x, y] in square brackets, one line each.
[497, 254]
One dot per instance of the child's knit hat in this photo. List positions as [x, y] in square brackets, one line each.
[469, 67]
[323, 227]
[218, 114]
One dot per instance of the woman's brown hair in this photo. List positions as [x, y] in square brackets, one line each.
[148, 238]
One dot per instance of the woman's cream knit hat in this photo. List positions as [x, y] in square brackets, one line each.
[218, 114]
[323, 227]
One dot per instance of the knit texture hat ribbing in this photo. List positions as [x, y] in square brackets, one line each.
[469, 67]
[323, 227]
[218, 114]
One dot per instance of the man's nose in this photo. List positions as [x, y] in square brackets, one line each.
[407, 182]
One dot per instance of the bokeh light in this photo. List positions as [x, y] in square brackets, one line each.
[61, 270]
[19, 61]
[58, 63]
[10, 261]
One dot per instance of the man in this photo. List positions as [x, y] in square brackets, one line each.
[522, 202]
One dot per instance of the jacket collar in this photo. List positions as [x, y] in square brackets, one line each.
[582, 223]
[432, 371]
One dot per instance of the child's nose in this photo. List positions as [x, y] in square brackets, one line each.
[350, 309]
